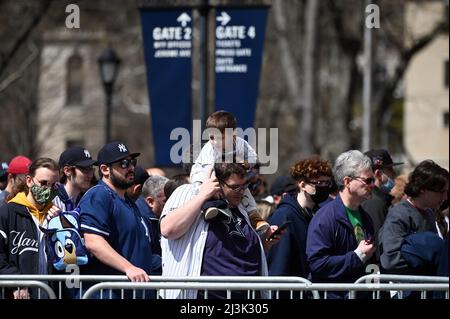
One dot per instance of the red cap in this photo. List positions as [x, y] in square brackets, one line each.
[19, 165]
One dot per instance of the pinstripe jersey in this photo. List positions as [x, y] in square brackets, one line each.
[184, 256]
[62, 200]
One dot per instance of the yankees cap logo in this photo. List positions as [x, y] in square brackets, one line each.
[87, 154]
[122, 148]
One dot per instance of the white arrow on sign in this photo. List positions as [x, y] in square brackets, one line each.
[184, 18]
[224, 18]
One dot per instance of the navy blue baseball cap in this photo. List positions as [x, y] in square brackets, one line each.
[114, 152]
[283, 184]
[140, 175]
[76, 156]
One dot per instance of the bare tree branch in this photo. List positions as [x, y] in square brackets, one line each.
[387, 96]
[11, 78]
[24, 36]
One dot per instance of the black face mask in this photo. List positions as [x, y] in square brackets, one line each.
[322, 193]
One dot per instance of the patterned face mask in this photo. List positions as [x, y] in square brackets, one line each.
[43, 195]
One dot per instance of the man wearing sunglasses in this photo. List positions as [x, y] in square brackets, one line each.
[22, 242]
[224, 246]
[76, 171]
[113, 228]
[340, 235]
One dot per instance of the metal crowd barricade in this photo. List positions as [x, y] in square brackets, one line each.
[224, 286]
[250, 286]
[374, 281]
[273, 280]
[18, 284]
[74, 282]
[79, 280]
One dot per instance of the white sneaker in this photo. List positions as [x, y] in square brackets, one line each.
[211, 213]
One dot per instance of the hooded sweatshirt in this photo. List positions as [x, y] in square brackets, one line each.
[21, 199]
[288, 256]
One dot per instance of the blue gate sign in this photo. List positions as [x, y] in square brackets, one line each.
[240, 37]
[167, 36]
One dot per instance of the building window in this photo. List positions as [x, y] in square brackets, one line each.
[74, 142]
[446, 119]
[446, 74]
[74, 80]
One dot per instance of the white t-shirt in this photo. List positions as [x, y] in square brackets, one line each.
[207, 158]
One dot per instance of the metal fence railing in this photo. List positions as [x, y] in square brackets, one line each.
[250, 287]
[21, 284]
[374, 280]
[87, 286]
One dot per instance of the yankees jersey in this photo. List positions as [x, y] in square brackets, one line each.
[104, 213]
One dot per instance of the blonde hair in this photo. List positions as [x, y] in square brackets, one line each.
[398, 191]
[265, 209]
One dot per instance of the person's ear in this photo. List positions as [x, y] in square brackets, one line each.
[67, 171]
[301, 185]
[347, 180]
[29, 181]
[104, 169]
[150, 201]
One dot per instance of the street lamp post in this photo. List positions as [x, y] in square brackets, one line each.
[109, 67]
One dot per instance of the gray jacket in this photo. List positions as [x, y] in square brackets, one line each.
[402, 220]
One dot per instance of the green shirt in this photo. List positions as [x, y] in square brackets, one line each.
[355, 219]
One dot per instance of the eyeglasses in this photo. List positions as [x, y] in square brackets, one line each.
[367, 181]
[45, 184]
[236, 188]
[125, 163]
[320, 183]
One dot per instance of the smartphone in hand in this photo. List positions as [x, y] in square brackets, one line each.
[369, 240]
[279, 230]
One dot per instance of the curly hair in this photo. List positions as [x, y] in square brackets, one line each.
[310, 168]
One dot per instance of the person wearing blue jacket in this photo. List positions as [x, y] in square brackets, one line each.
[313, 178]
[340, 235]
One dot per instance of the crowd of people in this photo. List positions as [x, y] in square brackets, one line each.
[221, 219]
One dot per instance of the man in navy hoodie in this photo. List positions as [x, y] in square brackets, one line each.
[340, 235]
[313, 180]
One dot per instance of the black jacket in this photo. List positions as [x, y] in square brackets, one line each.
[19, 241]
[377, 207]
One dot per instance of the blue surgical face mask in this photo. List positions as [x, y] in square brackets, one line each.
[388, 186]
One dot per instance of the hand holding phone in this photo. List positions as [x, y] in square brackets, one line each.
[279, 230]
